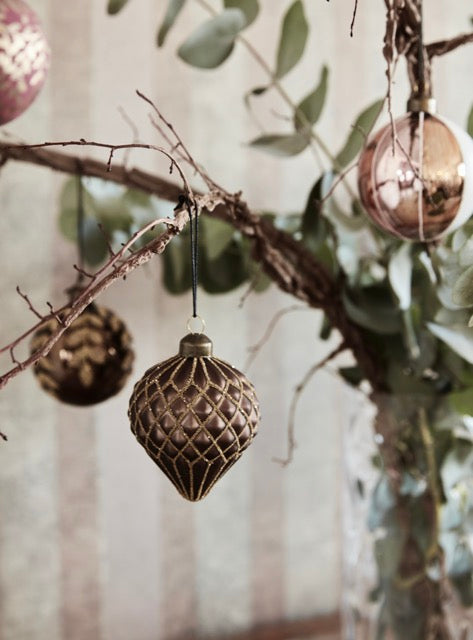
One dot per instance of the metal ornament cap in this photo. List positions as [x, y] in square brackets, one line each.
[194, 415]
[194, 345]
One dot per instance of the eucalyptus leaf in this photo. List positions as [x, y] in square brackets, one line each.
[172, 12]
[462, 401]
[352, 375]
[176, 265]
[281, 144]
[217, 236]
[459, 339]
[228, 271]
[212, 42]
[469, 126]
[68, 208]
[372, 309]
[457, 466]
[114, 6]
[95, 245]
[355, 141]
[382, 505]
[313, 225]
[400, 275]
[249, 7]
[293, 39]
[312, 105]
[462, 294]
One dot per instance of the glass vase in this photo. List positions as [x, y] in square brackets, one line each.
[408, 521]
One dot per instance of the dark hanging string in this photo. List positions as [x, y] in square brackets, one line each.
[194, 237]
[80, 226]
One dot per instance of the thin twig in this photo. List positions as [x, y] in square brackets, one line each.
[352, 25]
[28, 302]
[298, 391]
[256, 348]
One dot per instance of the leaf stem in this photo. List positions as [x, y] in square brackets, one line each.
[284, 95]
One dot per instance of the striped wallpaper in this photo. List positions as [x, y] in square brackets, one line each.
[95, 544]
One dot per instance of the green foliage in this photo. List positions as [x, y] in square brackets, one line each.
[360, 129]
[249, 7]
[114, 6]
[213, 42]
[172, 12]
[310, 109]
[292, 40]
[280, 144]
[469, 125]
[112, 214]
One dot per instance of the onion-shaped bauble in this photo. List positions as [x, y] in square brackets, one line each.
[194, 415]
[90, 362]
[24, 58]
[422, 189]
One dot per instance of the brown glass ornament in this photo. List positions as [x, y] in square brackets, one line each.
[90, 362]
[422, 188]
[194, 415]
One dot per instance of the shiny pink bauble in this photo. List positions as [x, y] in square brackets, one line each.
[422, 188]
[24, 58]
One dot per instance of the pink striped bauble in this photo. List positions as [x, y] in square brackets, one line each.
[24, 58]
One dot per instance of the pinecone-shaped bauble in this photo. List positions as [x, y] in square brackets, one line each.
[91, 360]
[24, 58]
[194, 415]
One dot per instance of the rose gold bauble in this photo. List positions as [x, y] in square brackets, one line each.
[90, 362]
[24, 58]
[424, 189]
[194, 415]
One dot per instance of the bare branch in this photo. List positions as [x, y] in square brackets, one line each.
[442, 47]
[298, 391]
[352, 25]
[28, 302]
[103, 278]
[254, 350]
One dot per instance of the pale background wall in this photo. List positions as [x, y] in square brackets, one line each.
[94, 543]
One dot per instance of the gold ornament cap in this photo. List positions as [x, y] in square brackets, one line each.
[426, 104]
[195, 345]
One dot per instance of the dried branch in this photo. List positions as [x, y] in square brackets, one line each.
[254, 350]
[442, 47]
[101, 280]
[285, 260]
[298, 391]
[352, 25]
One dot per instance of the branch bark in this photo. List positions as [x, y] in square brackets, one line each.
[286, 261]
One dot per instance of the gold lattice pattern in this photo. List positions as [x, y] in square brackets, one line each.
[90, 362]
[194, 417]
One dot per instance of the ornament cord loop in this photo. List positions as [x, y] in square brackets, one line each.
[194, 238]
[80, 226]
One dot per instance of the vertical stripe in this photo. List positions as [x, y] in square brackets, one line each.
[312, 567]
[76, 447]
[129, 491]
[223, 534]
[29, 565]
[177, 526]
[267, 508]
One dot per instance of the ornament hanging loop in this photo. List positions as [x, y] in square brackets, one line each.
[80, 224]
[196, 324]
[194, 238]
